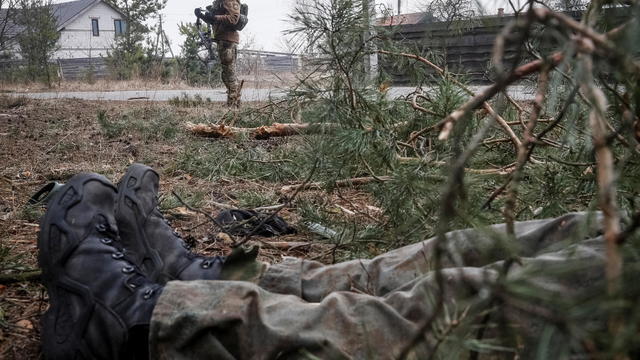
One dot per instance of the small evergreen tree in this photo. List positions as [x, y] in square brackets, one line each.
[196, 61]
[38, 37]
[128, 56]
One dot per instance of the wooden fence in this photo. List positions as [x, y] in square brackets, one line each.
[252, 62]
[465, 47]
[82, 69]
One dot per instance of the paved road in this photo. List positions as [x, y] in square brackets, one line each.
[217, 95]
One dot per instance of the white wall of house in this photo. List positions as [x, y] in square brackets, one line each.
[77, 39]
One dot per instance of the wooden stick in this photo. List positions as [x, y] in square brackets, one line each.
[524, 154]
[6, 279]
[506, 170]
[339, 183]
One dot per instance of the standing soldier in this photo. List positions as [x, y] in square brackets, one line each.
[225, 17]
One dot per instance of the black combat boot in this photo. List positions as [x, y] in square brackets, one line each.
[100, 304]
[150, 241]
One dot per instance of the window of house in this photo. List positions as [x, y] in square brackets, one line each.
[119, 27]
[95, 27]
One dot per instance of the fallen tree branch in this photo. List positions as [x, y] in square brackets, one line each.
[414, 105]
[285, 245]
[6, 279]
[485, 105]
[260, 133]
[505, 170]
[489, 92]
[339, 183]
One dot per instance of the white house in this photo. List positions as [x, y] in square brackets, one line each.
[88, 28]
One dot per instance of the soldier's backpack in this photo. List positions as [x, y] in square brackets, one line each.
[244, 13]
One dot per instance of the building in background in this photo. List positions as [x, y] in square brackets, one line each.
[88, 28]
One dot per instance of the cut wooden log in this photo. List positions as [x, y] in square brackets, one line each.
[259, 133]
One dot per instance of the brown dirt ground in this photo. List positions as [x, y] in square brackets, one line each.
[43, 141]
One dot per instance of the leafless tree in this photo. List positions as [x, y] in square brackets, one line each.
[8, 28]
[450, 11]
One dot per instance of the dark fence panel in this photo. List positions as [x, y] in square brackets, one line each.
[84, 68]
[466, 48]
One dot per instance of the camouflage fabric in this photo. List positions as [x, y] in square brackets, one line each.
[228, 53]
[368, 309]
[225, 15]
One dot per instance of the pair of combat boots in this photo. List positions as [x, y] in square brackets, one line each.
[105, 254]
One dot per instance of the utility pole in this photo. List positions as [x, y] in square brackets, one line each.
[399, 7]
[371, 60]
[162, 41]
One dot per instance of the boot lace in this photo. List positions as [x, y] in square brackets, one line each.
[135, 279]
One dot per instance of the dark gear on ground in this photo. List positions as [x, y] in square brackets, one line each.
[151, 243]
[244, 222]
[100, 304]
[224, 16]
[44, 195]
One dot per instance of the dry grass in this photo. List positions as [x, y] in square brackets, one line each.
[260, 81]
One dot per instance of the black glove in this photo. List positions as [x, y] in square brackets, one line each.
[198, 13]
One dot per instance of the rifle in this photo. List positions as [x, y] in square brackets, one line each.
[205, 39]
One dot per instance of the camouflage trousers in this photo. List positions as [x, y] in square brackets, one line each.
[228, 54]
[367, 309]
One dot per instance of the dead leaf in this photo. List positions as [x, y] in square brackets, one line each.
[181, 213]
[25, 324]
[225, 238]
[345, 210]
[374, 209]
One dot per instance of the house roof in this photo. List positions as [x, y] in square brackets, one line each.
[11, 29]
[404, 19]
[65, 13]
[68, 11]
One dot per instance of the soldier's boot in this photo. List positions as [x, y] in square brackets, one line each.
[100, 303]
[150, 241]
